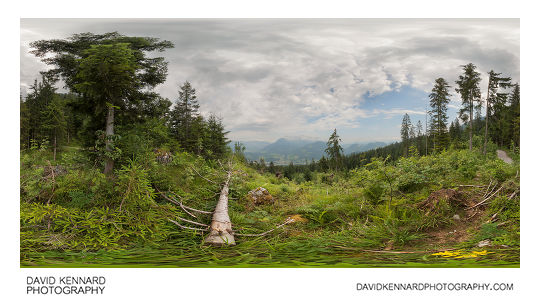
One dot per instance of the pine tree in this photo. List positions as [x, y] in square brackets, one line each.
[405, 132]
[42, 93]
[514, 109]
[495, 81]
[439, 99]
[455, 130]
[419, 136]
[468, 88]
[183, 116]
[107, 71]
[108, 74]
[412, 133]
[334, 150]
[54, 121]
[216, 137]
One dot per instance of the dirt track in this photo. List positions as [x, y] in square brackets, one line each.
[504, 156]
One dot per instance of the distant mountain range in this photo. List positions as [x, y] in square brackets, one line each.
[285, 150]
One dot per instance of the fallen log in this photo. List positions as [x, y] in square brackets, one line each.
[220, 229]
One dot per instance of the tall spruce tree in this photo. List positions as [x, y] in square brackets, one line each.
[108, 73]
[41, 94]
[468, 87]
[64, 57]
[405, 133]
[334, 151]
[108, 70]
[455, 130]
[54, 121]
[24, 124]
[493, 96]
[419, 134]
[438, 100]
[216, 143]
[514, 108]
[184, 118]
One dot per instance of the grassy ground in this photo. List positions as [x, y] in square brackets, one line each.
[354, 219]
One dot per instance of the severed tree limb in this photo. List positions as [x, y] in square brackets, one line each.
[489, 186]
[202, 176]
[184, 207]
[513, 194]
[489, 192]
[184, 227]
[477, 186]
[288, 221]
[220, 229]
[190, 221]
[221, 165]
[486, 199]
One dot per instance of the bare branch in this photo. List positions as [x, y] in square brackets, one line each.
[489, 197]
[184, 207]
[485, 193]
[288, 221]
[184, 227]
[477, 186]
[202, 176]
[195, 223]
[221, 165]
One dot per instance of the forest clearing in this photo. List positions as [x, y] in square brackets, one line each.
[449, 210]
[112, 174]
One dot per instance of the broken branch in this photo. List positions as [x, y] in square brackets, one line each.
[288, 221]
[202, 176]
[195, 223]
[184, 227]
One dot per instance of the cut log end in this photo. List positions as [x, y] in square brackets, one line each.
[219, 239]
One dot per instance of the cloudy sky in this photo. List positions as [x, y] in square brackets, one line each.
[273, 78]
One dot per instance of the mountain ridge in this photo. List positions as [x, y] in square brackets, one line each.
[299, 151]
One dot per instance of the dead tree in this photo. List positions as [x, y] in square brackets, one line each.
[220, 229]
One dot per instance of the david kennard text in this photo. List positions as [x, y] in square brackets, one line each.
[65, 285]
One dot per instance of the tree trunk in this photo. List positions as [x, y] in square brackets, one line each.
[220, 229]
[54, 152]
[471, 118]
[109, 131]
[487, 116]
[486, 130]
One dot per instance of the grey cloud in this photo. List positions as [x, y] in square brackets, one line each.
[272, 75]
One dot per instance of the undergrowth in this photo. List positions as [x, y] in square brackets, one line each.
[79, 216]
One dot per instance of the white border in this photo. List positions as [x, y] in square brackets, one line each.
[270, 284]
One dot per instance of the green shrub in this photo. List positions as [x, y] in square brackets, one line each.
[134, 186]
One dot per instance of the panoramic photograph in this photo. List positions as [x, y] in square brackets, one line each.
[341, 143]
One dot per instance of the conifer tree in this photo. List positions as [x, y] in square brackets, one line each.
[405, 132]
[419, 135]
[108, 74]
[334, 150]
[455, 131]
[439, 99]
[42, 93]
[514, 108]
[24, 124]
[216, 137]
[54, 121]
[65, 56]
[494, 82]
[183, 116]
[468, 88]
